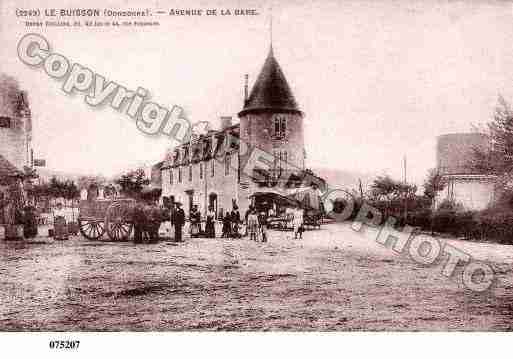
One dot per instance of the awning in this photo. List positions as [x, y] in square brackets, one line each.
[275, 198]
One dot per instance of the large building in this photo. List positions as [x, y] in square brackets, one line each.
[462, 184]
[264, 152]
[15, 126]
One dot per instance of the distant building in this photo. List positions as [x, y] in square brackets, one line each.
[463, 185]
[15, 124]
[15, 142]
[215, 170]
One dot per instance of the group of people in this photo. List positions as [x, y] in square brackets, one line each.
[195, 219]
[230, 223]
[256, 223]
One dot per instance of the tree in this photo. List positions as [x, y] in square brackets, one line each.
[86, 181]
[498, 159]
[56, 188]
[70, 190]
[433, 184]
[391, 193]
[133, 182]
[385, 188]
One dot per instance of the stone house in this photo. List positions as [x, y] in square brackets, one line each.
[264, 151]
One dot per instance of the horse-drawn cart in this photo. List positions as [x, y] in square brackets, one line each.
[113, 216]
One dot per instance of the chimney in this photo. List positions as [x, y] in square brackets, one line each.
[246, 79]
[226, 121]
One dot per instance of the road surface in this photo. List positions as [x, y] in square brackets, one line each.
[333, 279]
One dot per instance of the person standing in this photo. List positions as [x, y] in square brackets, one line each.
[298, 223]
[59, 223]
[178, 221]
[227, 225]
[30, 222]
[253, 225]
[235, 219]
[262, 224]
[195, 218]
[210, 231]
[246, 215]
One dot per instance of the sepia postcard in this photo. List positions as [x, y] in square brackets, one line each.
[247, 166]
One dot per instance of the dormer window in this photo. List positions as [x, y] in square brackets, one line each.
[280, 127]
[5, 122]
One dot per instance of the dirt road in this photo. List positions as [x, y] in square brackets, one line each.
[334, 279]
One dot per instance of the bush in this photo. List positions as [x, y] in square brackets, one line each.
[497, 224]
[420, 218]
[457, 223]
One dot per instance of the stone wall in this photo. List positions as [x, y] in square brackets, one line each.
[258, 130]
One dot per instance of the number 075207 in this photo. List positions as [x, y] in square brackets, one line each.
[64, 344]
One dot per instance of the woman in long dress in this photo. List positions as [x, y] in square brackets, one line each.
[59, 223]
[210, 231]
[298, 223]
[253, 225]
[195, 218]
[227, 225]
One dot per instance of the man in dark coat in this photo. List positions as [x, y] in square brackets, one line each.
[30, 223]
[178, 220]
[235, 219]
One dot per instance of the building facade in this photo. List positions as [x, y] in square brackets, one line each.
[462, 184]
[15, 125]
[15, 144]
[263, 152]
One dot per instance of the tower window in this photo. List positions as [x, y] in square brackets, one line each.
[190, 173]
[5, 122]
[179, 174]
[280, 161]
[201, 170]
[213, 167]
[170, 176]
[280, 127]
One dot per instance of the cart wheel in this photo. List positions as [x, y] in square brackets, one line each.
[91, 229]
[116, 221]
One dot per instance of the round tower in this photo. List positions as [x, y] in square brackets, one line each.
[455, 151]
[272, 121]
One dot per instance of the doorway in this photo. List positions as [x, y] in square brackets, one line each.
[212, 202]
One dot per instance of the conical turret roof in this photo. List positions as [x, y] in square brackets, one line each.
[271, 91]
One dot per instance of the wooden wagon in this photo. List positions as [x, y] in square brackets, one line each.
[113, 216]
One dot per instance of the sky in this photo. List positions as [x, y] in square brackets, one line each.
[377, 81]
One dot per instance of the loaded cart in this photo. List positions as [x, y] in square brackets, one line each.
[113, 216]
